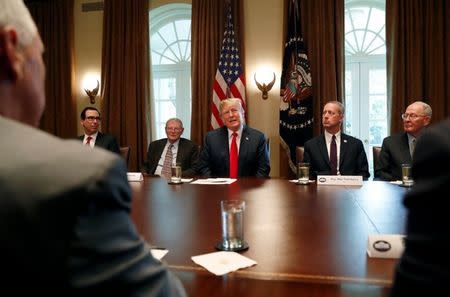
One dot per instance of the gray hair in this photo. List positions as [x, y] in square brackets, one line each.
[339, 105]
[176, 120]
[14, 13]
[426, 108]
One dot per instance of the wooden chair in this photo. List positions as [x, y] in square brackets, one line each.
[125, 152]
[376, 156]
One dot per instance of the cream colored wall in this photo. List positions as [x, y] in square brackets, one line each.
[263, 30]
[263, 49]
[88, 51]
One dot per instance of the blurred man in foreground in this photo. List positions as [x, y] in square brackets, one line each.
[65, 225]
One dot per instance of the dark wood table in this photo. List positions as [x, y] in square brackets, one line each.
[308, 240]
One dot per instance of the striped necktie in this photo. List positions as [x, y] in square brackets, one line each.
[167, 163]
[88, 141]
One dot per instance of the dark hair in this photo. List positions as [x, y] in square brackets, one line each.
[83, 113]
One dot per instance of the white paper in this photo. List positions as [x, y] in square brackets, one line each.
[296, 181]
[396, 182]
[135, 176]
[158, 253]
[186, 180]
[214, 181]
[221, 263]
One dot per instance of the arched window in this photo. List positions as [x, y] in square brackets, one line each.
[365, 72]
[170, 47]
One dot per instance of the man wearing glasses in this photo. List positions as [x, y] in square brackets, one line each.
[90, 121]
[174, 149]
[398, 148]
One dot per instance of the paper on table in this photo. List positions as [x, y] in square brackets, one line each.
[214, 181]
[221, 263]
[186, 180]
[158, 253]
[396, 182]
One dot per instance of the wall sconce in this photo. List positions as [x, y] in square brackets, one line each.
[265, 88]
[92, 92]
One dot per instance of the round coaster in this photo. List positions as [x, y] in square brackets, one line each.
[220, 247]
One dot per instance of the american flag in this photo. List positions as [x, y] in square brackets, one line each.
[230, 80]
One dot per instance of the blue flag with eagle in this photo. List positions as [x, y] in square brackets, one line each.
[296, 106]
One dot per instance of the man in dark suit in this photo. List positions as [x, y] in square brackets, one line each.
[183, 151]
[398, 148]
[333, 152]
[252, 155]
[65, 225]
[424, 268]
[90, 120]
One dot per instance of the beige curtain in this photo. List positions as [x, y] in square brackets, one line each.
[208, 23]
[418, 48]
[54, 20]
[126, 75]
[322, 23]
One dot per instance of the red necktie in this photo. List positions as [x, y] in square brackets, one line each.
[234, 157]
[88, 140]
[333, 155]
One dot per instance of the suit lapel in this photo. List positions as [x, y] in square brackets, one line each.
[99, 140]
[243, 148]
[180, 151]
[323, 150]
[343, 148]
[404, 148]
[226, 148]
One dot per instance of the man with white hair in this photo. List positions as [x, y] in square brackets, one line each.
[398, 148]
[65, 225]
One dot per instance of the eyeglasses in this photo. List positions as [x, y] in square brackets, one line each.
[329, 113]
[411, 116]
[91, 119]
[173, 129]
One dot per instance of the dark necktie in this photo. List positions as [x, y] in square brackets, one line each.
[234, 157]
[88, 141]
[333, 155]
[167, 163]
[413, 146]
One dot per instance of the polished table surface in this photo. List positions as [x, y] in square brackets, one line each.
[306, 239]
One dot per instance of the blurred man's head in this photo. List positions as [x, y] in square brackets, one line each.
[90, 120]
[22, 70]
[232, 113]
[332, 116]
[416, 117]
[174, 129]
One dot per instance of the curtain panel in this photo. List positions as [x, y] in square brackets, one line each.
[418, 63]
[125, 87]
[55, 23]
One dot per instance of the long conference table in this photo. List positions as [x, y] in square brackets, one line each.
[307, 240]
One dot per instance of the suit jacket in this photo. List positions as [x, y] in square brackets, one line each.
[424, 268]
[187, 155]
[352, 157]
[253, 154]
[394, 152]
[66, 228]
[106, 141]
